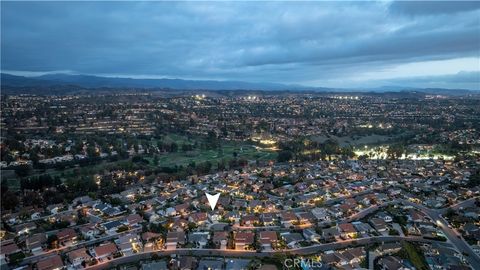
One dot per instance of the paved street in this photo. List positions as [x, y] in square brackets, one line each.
[457, 206]
[249, 254]
[36, 258]
[451, 234]
[434, 214]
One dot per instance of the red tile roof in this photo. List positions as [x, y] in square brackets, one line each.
[135, 218]
[244, 237]
[9, 249]
[219, 236]
[199, 217]
[267, 237]
[78, 253]
[66, 234]
[289, 216]
[105, 250]
[50, 263]
[347, 228]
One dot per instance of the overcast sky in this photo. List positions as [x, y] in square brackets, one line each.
[334, 44]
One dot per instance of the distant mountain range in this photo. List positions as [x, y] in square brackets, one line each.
[95, 82]
[89, 81]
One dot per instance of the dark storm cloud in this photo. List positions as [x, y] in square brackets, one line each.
[267, 41]
[461, 80]
[433, 7]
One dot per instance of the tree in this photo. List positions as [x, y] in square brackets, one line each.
[192, 226]
[284, 156]
[23, 170]
[474, 180]
[173, 147]
[92, 152]
[9, 200]
[158, 228]
[395, 151]
[52, 241]
[331, 147]
[221, 165]
[204, 167]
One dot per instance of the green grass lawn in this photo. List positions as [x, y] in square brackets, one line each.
[178, 139]
[410, 252]
[13, 184]
[248, 152]
[244, 150]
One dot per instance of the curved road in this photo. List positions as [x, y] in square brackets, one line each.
[457, 206]
[453, 236]
[434, 214]
[248, 253]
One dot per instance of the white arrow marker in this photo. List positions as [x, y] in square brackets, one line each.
[212, 199]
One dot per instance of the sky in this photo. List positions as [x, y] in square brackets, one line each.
[328, 44]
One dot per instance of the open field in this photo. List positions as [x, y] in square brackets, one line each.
[356, 140]
[225, 153]
[248, 152]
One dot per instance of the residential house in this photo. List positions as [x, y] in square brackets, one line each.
[389, 248]
[379, 224]
[51, 263]
[186, 263]
[199, 239]
[249, 220]
[391, 263]
[77, 256]
[81, 200]
[214, 217]
[310, 235]
[128, 244]
[67, 236]
[169, 212]
[333, 258]
[182, 209]
[267, 239]
[335, 212]
[134, 220]
[387, 218]
[321, 214]
[8, 247]
[330, 234]
[292, 239]
[179, 224]
[107, 209]
[198, 218]
[89, 231]
[25, 228]
[354, 255]
[35, 243]
[416, 216]
[472, 231]
[362, 228]
[111, 227]
[150, 240]
[220, 239]
[306, 217]
[174, 239]
[347, 231]
[104, 250]
[268, 219]
[243, 240]
[288, 219]
[55, 208]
